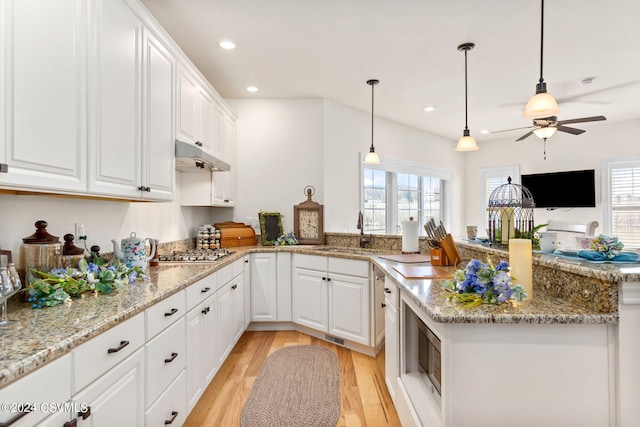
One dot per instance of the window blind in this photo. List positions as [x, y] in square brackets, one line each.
[625, 204]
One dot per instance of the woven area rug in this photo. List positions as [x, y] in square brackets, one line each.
[296, 386]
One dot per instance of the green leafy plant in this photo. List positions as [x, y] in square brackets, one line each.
[52, 288]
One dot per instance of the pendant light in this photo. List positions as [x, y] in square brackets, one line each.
[372, 157]
[542, 104]
[466, 143]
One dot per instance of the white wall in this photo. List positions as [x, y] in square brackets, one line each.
[279, 152]
[286, 144]
[564, 152]
[103, 220]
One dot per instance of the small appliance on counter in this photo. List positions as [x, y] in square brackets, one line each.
[234, 234]
[40, 251]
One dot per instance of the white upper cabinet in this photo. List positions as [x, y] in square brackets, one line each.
[42, 95]
[158, 141]
[196, 112]
[130, 146]
[115, 82]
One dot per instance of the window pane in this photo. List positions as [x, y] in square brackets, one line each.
[375, 201]
[431, 191]
[625, 205]
[408, 197]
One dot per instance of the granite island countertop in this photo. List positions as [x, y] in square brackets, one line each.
[36, 337]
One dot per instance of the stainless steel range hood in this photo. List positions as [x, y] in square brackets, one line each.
[190, 158]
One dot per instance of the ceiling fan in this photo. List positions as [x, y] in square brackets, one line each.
[546, 126]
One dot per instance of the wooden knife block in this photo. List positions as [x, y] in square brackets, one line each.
[447, 253]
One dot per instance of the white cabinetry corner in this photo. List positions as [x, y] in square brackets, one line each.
[43, 95]
[333, 295]
[263, 287]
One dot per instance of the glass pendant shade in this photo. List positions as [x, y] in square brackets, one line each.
[372, 158]
[545, 132]
[541, 105]
[466, 143]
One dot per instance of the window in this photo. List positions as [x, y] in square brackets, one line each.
[393, 192]
[621, 199]
[490, 179]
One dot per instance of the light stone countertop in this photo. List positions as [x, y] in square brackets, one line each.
[38, 336]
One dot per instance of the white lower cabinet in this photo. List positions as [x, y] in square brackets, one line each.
[170, 409]
[392, 339]
[333, 295]
[263, 287]
[117, 397]
[51, 383]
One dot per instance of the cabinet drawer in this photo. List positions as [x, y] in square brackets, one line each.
[51, 383]
[238, 267]
[170, 408]
[352, 267]
[165, 313]
[225, 274]
[100, 354]
[311, 262]
[201, 290]
[165, 359]
[391, 293]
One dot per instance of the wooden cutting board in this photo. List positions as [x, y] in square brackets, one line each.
[423, 272]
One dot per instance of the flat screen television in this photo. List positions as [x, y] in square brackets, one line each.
[570, 189]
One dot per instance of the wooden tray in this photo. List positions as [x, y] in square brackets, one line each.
[423, 272]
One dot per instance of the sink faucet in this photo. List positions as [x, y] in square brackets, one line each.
[363, 240]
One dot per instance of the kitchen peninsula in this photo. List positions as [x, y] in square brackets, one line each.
[552, 361]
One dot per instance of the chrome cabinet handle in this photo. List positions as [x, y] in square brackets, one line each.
[122, 345]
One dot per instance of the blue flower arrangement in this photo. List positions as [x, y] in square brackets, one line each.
[483, 283]
[61, 284]
[288, 239]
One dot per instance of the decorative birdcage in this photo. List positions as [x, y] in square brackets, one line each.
[510, 213]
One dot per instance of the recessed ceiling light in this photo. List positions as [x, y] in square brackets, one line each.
[252, 89]
[586, 81]
[484, 131]
[429, 108]
[227, 44]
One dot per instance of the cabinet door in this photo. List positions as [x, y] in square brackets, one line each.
[42, 91]
[211, 361]
[187, 110]
[225, 322]
[391, 347]
[116, 398]
[237, 298]
[115, 147]
[158, 148]
[165, 359]
[206, 122]
[349, 308]
[263, 287]
[195, 355]
[247, 290]
[310, 298]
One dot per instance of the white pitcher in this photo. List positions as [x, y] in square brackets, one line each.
[548, 241]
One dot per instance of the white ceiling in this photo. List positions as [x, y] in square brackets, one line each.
[330, 48]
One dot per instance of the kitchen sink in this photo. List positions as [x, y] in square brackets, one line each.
[361, 251]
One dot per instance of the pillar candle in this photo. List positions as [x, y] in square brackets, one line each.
[520, 263]
[507, 226]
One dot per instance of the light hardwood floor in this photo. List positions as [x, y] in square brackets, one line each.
[364, 397]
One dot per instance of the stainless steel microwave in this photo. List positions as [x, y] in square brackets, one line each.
[429, 357]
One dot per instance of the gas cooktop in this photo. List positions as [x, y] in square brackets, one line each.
[196, 255]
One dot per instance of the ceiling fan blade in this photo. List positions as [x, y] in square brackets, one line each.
[582, 120]
[526, 135]
[509, 130]
[572, 131]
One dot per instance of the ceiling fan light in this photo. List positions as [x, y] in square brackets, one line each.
[466, 143]
[372, 158]
[541, 105]
[545, 132]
